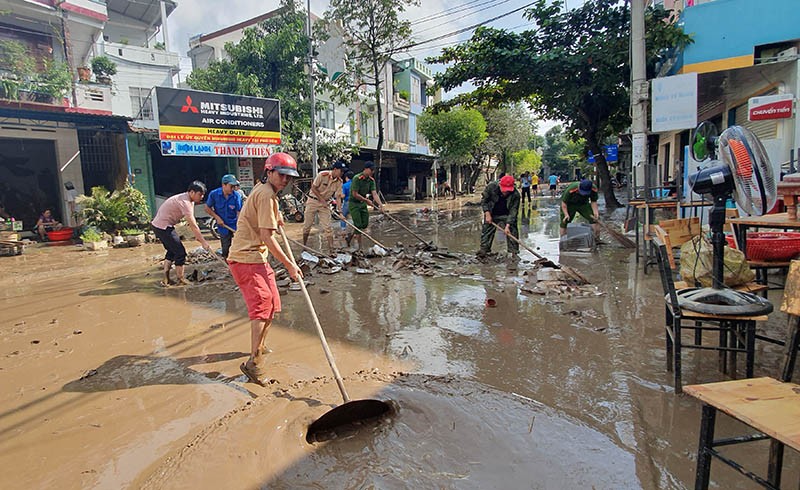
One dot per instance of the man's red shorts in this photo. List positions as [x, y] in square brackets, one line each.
[257, 284]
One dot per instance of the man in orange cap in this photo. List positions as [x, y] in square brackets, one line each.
[252, 243]
[500, 204]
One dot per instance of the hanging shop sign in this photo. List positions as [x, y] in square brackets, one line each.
[195, 123]
[770, 107]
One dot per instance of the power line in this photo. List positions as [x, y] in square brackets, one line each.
[450, 11]
[494, 3]
[465, 29]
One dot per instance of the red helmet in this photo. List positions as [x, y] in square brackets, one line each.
[283, 163]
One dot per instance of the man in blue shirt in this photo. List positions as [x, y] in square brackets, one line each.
[223, 204]
[554, 181]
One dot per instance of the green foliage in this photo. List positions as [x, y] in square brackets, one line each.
[454, 135]
[526, 161]
[102, 66]
[15, 60]
[574, 67]
[18, 71]
[404, 95]
[56, 79]
[114, 211]
[91, 234]
[373, 33]
[132, 231]
[509, 128]
[560, 154]
[160, 46]
[269, 61]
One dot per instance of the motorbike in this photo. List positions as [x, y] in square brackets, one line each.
[291, 208]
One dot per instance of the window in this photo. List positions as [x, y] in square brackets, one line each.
[325, 115]
[401, 130]
[141, 104]
[415, 90]
[364, 126]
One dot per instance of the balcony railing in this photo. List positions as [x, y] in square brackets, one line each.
[93, 96]
[146, 56]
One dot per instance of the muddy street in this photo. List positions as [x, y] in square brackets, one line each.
[110, 381]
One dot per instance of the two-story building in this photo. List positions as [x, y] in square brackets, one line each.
[742, 50]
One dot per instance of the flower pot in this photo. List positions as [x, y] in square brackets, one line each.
[104, 79]
[84, 73]
[102, 244]
[135, 240]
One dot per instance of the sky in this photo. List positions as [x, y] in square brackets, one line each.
[432, 18]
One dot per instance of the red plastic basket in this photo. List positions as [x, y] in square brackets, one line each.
[64, 234]
[771, 245]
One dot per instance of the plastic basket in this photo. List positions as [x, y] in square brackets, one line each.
[771, 245]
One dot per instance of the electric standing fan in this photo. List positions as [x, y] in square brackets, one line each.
[746, 173]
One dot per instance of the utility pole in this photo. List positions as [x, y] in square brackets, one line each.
[639, 99]
[314, 168]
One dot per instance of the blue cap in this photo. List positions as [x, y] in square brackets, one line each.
[586, 187]
[369, 165]
[229, 179]
[340, 165]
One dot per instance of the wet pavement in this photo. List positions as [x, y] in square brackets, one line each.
[111, 381]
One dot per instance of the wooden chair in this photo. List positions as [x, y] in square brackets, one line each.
[770, 406]
[736, 333]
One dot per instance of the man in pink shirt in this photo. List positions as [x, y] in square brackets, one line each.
[169, 214]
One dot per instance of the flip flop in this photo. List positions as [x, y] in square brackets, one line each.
[252, 375]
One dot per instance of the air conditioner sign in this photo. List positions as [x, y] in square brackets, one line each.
[770, 107]
[196, 123]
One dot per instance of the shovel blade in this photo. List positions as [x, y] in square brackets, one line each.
[346, 419]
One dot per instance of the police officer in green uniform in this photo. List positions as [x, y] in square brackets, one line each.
[362, 193]
[579, 198]
[500, 204]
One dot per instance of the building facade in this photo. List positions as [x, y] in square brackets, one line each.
[741, 50]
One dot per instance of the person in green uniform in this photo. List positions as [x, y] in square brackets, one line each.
[500, 204]
[362, 192]
[579, 198]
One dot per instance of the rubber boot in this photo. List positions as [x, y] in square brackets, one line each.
[305, 237]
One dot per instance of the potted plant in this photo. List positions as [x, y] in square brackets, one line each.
[84, 73]
[103, 69]
[134, 236]
[93, 240]
[55, 81]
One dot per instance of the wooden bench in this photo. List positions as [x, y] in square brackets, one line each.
[767, 405]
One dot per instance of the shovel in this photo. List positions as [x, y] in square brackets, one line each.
[428, 245]
[568, 270]
[359, 230]
[346, 417]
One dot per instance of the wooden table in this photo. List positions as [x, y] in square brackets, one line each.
[649, 208]
[767, 405]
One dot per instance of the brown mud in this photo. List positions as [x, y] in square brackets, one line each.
[110, 381]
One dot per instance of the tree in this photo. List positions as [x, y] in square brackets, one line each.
[270, 61]
[526, 161]
[509, 128]
[574, 68]
[456, 136]
[373, 33]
